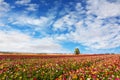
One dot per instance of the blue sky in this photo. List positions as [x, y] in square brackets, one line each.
[59, 26]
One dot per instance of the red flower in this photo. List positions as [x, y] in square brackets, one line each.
[34, 78]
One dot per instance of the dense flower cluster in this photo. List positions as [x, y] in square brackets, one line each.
[67, 67]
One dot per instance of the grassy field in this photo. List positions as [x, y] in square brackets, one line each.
[59, 67]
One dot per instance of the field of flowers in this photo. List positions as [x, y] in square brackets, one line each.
[59, 67]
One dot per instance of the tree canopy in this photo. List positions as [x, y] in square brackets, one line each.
[77, 51]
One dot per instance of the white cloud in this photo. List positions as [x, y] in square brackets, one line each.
[103, 8]
[28, 5]
[96, 36]
[92, 32]
[65, 23]
[26, 20]
[1, 24]
[4, 7]
[22, 2]
[78, 7]
[32, 7]
[20, 42]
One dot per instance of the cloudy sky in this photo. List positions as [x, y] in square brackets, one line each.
[59, 26]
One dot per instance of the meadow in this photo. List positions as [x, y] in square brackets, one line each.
[60, 67]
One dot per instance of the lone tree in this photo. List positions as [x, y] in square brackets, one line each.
[77, 52]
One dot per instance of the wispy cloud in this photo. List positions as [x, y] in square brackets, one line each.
[67, 21]
[27, 3]
[4, 6]
[32, 7]
[25, 20]
[22, 2]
